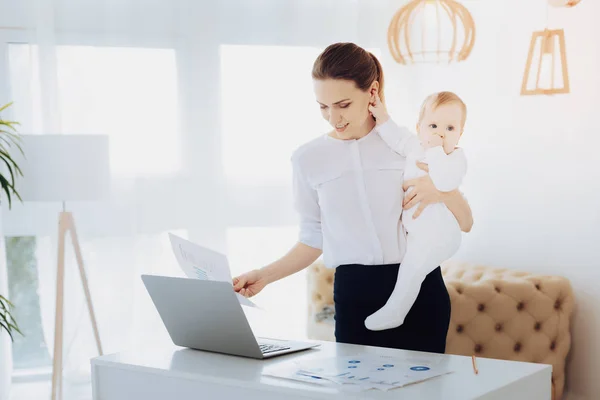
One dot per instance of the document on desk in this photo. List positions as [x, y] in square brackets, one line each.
[292, 373]
[201, 263]
[366, 372]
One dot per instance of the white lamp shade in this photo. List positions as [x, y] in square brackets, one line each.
[63, 168]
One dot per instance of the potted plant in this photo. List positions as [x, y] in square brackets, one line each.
[9, 172]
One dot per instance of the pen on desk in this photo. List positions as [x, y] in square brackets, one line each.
[474, 364]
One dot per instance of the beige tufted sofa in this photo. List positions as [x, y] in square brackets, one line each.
[496, 313]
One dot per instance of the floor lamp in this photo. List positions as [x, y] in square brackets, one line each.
[61, 168]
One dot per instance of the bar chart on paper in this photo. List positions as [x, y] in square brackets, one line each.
[363, 373]
[201, 263]
[200, 273]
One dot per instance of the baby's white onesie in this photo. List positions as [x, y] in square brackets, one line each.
[434, 236]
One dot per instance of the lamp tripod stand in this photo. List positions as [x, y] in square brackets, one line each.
[66, 224]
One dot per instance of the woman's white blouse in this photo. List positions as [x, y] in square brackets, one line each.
[348, 194]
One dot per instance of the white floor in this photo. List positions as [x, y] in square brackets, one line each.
[42, 390]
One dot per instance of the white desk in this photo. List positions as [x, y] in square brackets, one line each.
[175, 372]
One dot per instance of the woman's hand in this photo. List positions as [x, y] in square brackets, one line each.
[424, 192]
[250, 283]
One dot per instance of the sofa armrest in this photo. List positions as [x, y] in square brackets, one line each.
[511, 315]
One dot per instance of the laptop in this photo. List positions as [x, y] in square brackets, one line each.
[206, 315]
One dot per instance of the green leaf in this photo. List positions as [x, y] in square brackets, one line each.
[7, 321]
[14, 169]
[6, 158]
[12, 136]
[4, 300]
[7, 330]
[10, 125]
[6, 325]
[12, 142]
[4, 107]
[14, 139]
[9, 137]
[15, 328]
[8, 188]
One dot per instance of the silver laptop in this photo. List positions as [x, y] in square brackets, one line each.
[206, 315]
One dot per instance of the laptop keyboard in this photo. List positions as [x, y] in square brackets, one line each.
[269, 348]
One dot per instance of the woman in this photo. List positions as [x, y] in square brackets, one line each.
[349, 193]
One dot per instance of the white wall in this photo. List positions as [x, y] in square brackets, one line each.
[534, 177]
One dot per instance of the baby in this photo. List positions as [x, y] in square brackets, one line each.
[435, 235]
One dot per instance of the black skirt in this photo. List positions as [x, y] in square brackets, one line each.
[360, 290]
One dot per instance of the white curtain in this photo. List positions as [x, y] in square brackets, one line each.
[204, 103]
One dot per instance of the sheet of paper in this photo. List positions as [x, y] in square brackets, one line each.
[292, 373]
[201, 263]
[383, 372]
[245, 301]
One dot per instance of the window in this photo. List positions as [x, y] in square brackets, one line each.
[285, 301]
[131, 94]
[127, 93]
[268, 109]
[29, 350]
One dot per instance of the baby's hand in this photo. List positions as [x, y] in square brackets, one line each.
[377, 110]
[434, 141]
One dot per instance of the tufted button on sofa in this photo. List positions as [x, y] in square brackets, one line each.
[496, 313]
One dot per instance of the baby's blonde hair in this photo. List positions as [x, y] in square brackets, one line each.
[439, 99]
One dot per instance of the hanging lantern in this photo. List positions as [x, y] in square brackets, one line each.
[546, 70]
[431, 31]
[563, 3]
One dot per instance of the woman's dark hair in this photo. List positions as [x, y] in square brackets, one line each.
[350, 62]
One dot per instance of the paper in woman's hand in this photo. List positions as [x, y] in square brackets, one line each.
[198, 262]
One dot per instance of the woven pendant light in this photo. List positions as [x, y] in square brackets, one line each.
[546, 71]
[431, 31]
